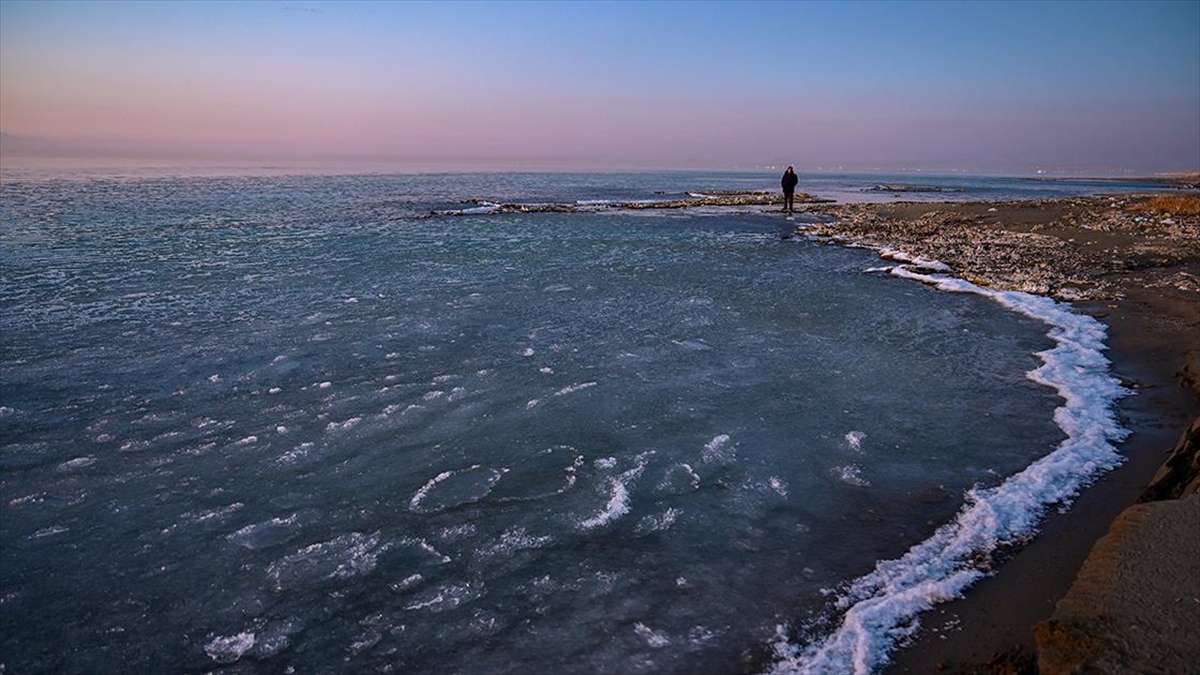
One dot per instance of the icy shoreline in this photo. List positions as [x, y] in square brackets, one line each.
[882, 608]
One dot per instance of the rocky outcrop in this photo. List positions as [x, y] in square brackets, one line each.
[1179, 476]
[903, 187]
[1127, 612]
[708, 198]
[1189, 374]
[1074, 250]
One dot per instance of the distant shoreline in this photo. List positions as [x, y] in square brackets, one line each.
[1181, 181]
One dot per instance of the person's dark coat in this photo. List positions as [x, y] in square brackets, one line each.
[790, 181]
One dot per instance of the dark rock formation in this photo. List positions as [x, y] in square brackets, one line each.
[1127, 612]
[897, 187]
[1179, 476]
[1189, 374]
[707, 198]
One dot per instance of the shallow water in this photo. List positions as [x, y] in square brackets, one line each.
[274, 422]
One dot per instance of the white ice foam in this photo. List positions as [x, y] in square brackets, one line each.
[454, 488]
[694, 345]
[446, 597]
[617, 506]
[659, 522]
[457, 532]
[77, 463]
[269, 533]
[342, 426]
[854, 440]
[260, 640]
[888, 253]
[229, 648]
[425, 547]
[513, 540]
[296, 454]
[653, 638]
[135, 446]
[717, 449]
[407, 583]
[574, 388]
[618, 501]
[779, 485]
[35, 498]
[415, 502]
[850, 473]
[484, 208]
[348, 555]
[213, 516]
[678, 479]
[882, 607]
[49, 531]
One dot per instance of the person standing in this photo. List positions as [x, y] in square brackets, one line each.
[789, 182]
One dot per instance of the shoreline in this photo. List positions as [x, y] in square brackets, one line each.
[1136, 271]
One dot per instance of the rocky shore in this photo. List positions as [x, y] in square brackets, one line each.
[1129, 602]
[1071, 249]
[694, 199]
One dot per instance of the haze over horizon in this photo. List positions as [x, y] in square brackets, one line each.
[1086, 87]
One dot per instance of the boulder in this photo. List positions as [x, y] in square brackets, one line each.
[1135, 606]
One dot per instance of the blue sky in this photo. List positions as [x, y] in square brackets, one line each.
[1082, 86]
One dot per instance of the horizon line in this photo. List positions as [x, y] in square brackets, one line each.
[98, 153]
[402, 164]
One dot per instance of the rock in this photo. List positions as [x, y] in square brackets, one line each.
[1128, 611]
[1189, 374]
[1037, 257]
[1179, 476]
[711, 198]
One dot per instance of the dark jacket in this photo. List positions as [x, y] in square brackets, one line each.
[789, 182]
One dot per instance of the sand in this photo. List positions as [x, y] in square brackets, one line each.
[1139, 273]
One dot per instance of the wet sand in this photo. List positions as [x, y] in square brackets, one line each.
[1139, 273]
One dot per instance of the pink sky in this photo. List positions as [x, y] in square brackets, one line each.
[1112, 86]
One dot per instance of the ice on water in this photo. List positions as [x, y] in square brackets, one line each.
[304, 424]
[882, 607]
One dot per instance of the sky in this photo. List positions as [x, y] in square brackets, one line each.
[1091, 87]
